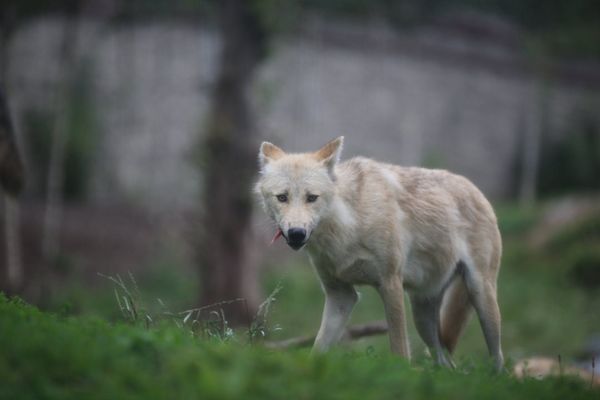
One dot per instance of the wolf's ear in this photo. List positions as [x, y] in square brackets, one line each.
[329, 154]
[269, 152]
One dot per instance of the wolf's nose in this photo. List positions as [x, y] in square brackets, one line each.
[296, 235]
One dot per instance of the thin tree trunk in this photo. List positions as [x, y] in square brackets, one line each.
[11, 169]
[229, 164]
[55, 179]
[12, 180]
[534, 127]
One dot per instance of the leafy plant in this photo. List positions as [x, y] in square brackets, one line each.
[208, 322]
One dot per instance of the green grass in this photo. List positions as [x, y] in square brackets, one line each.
[43, 356]
[70, 354]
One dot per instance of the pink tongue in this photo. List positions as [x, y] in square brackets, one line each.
[278, 234]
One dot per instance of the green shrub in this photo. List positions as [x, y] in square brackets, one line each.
[516, 220]
[584, 232]
[585, 271]
[572, 163]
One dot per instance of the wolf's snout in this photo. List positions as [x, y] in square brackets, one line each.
[296, 237]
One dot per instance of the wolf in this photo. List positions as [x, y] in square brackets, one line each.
[428, 232]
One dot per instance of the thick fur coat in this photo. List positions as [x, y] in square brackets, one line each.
[428, 232]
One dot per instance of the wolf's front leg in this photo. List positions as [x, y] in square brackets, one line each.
[339, 302]
[392, 294]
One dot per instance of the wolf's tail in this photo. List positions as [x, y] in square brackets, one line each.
[455, 313]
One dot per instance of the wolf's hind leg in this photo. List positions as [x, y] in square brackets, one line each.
[483, 297]
[339, 302]
[426, 314]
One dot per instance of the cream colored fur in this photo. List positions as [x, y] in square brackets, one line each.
[428, 232]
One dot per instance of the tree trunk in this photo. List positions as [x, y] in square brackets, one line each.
[11, 179]
[55, 179]
[535, 125]
[11, 170]
[229, 164]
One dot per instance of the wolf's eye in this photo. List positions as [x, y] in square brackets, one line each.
[282, 198]
[311, 198]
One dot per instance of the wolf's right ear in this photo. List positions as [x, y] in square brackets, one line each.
[269, 152]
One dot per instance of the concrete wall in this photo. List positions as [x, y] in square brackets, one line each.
[434, 96]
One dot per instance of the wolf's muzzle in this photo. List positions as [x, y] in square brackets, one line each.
[296, 238]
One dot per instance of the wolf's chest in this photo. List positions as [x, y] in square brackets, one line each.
[360, 272]
[356, 267]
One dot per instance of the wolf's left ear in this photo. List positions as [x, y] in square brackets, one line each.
[269, 152]
[330, 154]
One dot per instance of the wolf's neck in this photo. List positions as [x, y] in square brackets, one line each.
[341, 215]
[337, 228]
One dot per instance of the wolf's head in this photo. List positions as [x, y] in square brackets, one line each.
[297, 190]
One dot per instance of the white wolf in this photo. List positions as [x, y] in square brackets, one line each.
[429, 232]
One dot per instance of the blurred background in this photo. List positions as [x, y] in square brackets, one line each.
[138, 124]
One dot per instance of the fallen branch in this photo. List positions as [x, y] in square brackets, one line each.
[352, 333]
